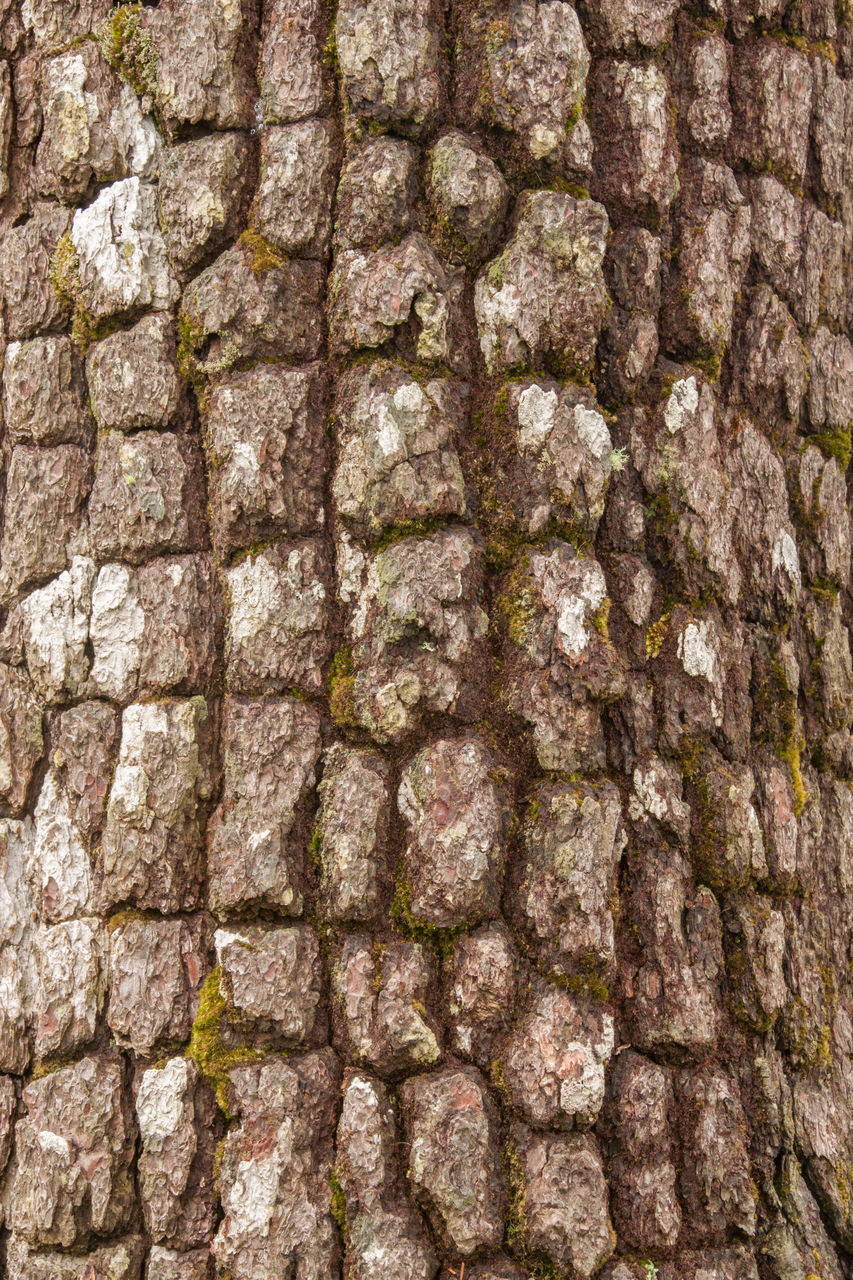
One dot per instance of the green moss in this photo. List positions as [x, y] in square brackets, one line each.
[338, 1205]
[710, 845]
[342, 689]
[84, 331]
[43, 1067]
[588, 985]
[190, 336]
[520, 613]
[496, 274]
[808, 1047]
[567, 188]
[809, 518]
[517, 1229]
[835, 444]
[314, 846]
[600, 619]
[128, 47]
[65, 271]
[330, 50]
[709, 365]
[498, 1079]
[265, 256]
[517, 1238]
[256, 548]
[544, 1269]
[491, 462]
[574, 116]
[516, 605]
[218, 1156]
[497, 35]
[377, 953]
[443, 940]
[409, 529]
[502, 545]
[791, 756]
[844, 1186]
[452, 244]
[565, 367]
[207, 1048]
[811, 48]
[127, 915]
[776, 706]
[656, 634]
[824, 589]
[64, 276]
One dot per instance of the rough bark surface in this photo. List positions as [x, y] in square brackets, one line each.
[426, 694]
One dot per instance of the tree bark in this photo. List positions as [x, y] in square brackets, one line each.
[426, 771]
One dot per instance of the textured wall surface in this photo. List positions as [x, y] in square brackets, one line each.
[426, 770]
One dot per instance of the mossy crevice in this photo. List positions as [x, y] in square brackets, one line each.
[422, 528]
[342, 689]
[338, 1202]
[517, 1237]
[835, 444]
[64, 276]
[587, 984]
[711, 845]
[266, 256]
[191, 335]
[517, 1230]
[213, 1057]
[809, 1047]
[656, 634]
[64, 271]
[442, 939]
[776, 705]
[127, 46]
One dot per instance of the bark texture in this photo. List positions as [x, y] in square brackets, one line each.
[426, 768]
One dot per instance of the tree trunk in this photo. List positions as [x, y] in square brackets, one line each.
[426, 771]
